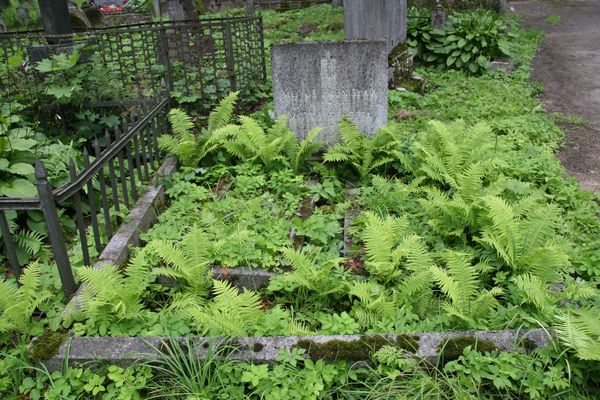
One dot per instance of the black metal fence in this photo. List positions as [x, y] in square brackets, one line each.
[109, 181]
[196, 61]
[288, 4]
[136, 71]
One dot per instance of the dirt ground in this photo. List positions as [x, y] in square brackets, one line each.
[568, 66]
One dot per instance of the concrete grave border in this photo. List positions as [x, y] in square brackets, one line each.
[429, 347]
[141, 217]
[54, 348]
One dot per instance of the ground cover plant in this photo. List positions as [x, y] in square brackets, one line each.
[465, 220]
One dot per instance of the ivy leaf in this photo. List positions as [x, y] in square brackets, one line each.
[15, 60]
[46, 65]
[3, 164]
[60, 91]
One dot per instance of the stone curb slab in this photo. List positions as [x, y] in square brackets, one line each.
[125, 351]
[141, 217]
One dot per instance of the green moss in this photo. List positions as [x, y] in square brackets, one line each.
[414, 84]
[257, 347]
[401, 62]
[453, 348]
[528, 345]
[356, 350]
[46, 346]
[408, 342]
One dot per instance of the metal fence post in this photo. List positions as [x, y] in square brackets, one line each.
[11, 252]
[228, 41]
[263, 60]
[55, 234]
[164, 49]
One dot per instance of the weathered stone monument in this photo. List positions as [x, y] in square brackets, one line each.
[376, 19]
[318, 84]
[55, 17]
[382, 19]
[438, 17]
[249, 7]
[176, 10]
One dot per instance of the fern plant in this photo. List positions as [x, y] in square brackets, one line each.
[274, 147]
[227, 313]
[579, 330]
[17, 304]
[395, 255]
[188, 260]
[372, 302]
[457, 165]
[299, 152]
[460, 282]
[250, 142]
[362, 153]
[524, 237]
[309, 281]
[110, 297]
[191, 148]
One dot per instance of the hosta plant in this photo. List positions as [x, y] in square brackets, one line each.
[469, 41]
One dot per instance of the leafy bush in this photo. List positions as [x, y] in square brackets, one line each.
[21, 144]
[468, 42]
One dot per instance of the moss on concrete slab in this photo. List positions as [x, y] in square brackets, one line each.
[45, 347]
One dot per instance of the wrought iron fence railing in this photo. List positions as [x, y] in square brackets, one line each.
[135, 71]
[196, 61]
[96, 193]
[288, 4]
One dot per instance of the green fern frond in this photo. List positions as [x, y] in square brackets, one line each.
[362, 153]
[229, 313]
[30, 241]
[580, 331]
[372, 304]
[222, 114]
[17, 304]
[352, 138]
[459, 281]
[534, 290]
[336, 153]
[181, 123]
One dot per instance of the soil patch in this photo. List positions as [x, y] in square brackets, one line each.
[567, 65]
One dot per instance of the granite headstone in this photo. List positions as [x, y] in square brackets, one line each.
[376, 19]
[318, 84]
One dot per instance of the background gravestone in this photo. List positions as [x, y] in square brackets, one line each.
[177, 10]
[317, 84]
[376, 19]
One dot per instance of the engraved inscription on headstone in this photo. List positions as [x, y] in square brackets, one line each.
[376, 19]
[317, 84]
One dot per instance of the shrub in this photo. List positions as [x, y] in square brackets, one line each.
[469, 41]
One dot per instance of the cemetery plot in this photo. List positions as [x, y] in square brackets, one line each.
[356, 261]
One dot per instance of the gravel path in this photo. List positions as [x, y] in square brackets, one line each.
[568, 66]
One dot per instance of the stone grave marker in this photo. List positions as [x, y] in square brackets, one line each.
[176, 10]
[318, 84]
[376, 19]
